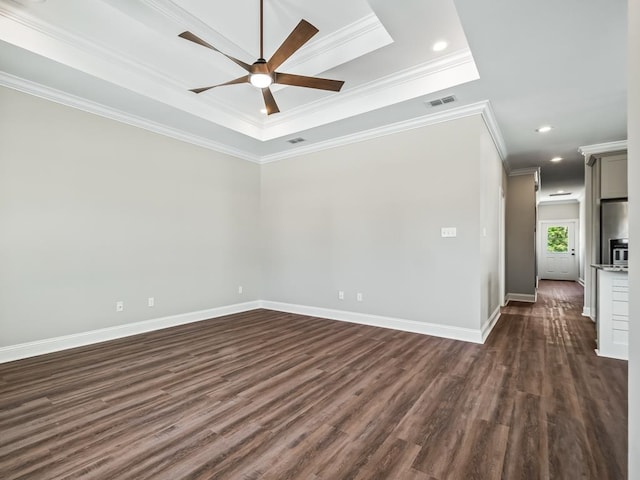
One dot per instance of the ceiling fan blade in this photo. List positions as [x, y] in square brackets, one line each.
[309, 82]
[243, 79]
[296, 39]
[269, 101]
[195, 39]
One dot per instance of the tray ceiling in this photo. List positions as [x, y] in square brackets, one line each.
[135, 45]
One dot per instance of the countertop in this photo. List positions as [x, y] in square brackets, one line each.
[611, 268]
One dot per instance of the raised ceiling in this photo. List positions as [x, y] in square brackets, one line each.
[522, 65]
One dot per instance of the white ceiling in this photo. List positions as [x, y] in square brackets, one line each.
[543, 62]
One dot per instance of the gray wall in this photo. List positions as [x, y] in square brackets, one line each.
[520, 235]
[366, 218]
[93, 211]
[634, 225]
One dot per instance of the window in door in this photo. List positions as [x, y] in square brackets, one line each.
[557, 239]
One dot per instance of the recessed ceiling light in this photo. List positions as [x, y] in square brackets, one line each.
[560, 191]
[263, 110]
[544, 129]
[439, 46]
[556, 159]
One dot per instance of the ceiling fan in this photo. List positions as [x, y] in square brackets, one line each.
[262, 73]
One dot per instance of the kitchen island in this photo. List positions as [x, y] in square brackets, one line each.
[612, 321]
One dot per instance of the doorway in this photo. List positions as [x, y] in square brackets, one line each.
[558, 250]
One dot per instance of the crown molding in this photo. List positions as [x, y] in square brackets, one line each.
[496, 134]
[366, 30]
[356, 39]
[599, 148]
[50, 41]
[423, 79]
[376, 87]
[89, 106]
[479, 108]
[26, 31]
[535, 171]
[524, 171]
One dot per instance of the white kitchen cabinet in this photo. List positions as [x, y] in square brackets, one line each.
[613, 176]
[613, 313]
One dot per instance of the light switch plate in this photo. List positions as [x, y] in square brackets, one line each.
[446, 232]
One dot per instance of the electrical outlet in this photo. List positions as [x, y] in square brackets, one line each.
[359, 296]
[151, 302]
[240, 289]
[340, 295]
[448, 232]
[119, 306]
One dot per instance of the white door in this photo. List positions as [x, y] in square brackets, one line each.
[558, 256]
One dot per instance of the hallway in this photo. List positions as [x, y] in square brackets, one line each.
[573, 401]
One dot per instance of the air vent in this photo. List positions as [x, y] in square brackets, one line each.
[441, 101]
[559, 194]
[296, 140]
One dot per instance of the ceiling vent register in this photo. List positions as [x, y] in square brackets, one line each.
[442, 101]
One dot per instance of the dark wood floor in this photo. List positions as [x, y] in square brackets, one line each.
[270, 395]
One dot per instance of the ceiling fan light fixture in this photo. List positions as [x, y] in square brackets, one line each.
[260, 80]
[262, 74]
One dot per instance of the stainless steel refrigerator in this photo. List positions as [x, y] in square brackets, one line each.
[614, 232]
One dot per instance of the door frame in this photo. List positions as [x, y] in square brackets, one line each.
[540, 243]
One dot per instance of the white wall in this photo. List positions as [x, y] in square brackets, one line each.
[366, 218]
[93, 211]
[558, 211]
[634, 237]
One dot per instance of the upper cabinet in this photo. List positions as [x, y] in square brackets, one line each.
[613, 176]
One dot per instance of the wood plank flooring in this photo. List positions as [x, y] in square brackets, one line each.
[267, 395]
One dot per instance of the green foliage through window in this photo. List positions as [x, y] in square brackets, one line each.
[558, 239]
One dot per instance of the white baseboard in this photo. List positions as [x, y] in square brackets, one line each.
[581, 281]
[490, 323]
[521, 297]
[618, 354]
[434, 329]
[49, 345]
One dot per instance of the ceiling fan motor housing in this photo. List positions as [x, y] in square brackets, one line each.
[260, 76]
